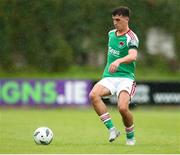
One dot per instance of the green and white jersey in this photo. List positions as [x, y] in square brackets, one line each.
[118, 47]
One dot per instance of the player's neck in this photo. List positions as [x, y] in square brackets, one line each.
[122, 32]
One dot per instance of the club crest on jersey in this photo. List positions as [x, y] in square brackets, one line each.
[121, 44]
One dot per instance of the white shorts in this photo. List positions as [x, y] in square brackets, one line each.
[116, 85]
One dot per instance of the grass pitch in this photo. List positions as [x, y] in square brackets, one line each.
[80, 131]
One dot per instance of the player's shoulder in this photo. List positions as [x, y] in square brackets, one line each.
[132, 39]
[112, 32]
[132, 35]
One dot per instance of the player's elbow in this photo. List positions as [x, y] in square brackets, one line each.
[133, 57]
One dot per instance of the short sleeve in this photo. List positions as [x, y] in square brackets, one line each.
[132, 40]
[133, 43]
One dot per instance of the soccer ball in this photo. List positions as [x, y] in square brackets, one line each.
[43, 135]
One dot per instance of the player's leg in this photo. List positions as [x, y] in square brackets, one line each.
[95, 96]
[127, 117]
[125, 92]
[123, 106]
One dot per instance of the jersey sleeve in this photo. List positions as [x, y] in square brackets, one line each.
[132, 40]
[133, 43]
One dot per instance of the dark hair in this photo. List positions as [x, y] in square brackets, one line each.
[122, 10]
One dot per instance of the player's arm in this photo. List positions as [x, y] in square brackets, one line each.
[132, 55]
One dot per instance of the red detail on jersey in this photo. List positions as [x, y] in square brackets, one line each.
[121, 43]
[131, 34]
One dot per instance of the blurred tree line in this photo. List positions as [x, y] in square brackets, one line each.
[53, 35]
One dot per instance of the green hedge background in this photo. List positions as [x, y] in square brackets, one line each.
[55, 38]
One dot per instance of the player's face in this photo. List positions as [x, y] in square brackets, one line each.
[120, 22]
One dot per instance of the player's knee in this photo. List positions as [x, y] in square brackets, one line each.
[92, 95]
[122, 109]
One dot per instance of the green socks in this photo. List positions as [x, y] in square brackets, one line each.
[107, 120]
[109, 124]
[130, 132]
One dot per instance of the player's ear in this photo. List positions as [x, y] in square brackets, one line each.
[127, 18]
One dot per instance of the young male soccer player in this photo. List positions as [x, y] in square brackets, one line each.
[118, 77]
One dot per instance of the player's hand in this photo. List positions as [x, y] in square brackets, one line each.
[113, 66]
